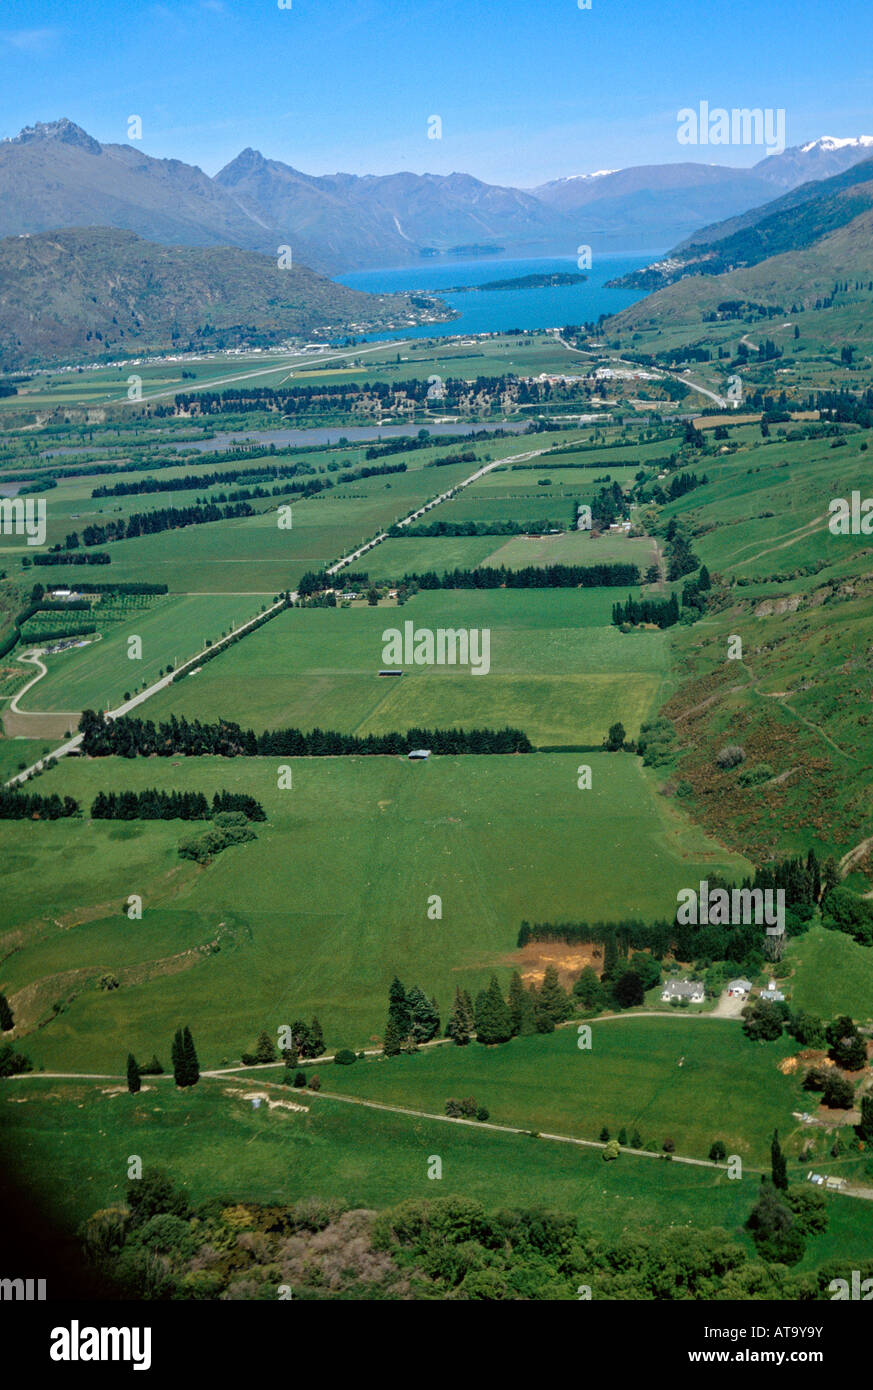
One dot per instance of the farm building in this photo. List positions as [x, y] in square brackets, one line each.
[773, 994]
[419, 754]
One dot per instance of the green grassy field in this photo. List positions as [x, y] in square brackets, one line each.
[831, 974]
[393, 833]
[214, 1144]
[97, 676]
[726, 1088]
[556, 670]
[576, 548]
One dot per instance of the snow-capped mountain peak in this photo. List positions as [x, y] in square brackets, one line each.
[833, 142]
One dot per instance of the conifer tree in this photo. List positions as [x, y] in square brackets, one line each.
[460, 1024]
[493, 1021]
[6, 1020]
[189, 1059]
[133, 1078]
[399, 1025]
[530, 1009]
[424, 1015]
[317, 1038]
[265, 1050]
[516, 1002]
[553, 997]
[398, 1006]
[178, 1060]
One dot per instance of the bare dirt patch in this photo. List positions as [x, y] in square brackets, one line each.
[531, 960]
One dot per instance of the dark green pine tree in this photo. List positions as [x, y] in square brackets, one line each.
[610, 956]
[6, 1020]
[178, 1059]
[399, 1024]
[778, 1166]
[316, 1038]
[398, 1006]
[636, 1140]
[553, 997]
[493, 1021]
[530, 1012]
[189, 1059]
[265, 1050]
[703, 580]
[865, 1128]
[516, 1002]
[622, 1137]
[133, 1079]
[460, 1024]
[424, 1015]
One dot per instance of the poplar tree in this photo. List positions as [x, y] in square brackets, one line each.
[778, 1165]
[133, 1078]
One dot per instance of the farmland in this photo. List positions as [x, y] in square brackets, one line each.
[400, 831]
[332, 898]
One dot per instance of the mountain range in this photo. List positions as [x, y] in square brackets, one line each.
[55, 175]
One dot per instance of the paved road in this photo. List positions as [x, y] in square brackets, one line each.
[72, 744]
[435, 502]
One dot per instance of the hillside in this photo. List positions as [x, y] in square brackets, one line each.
[100, 291]
[790, 223]
[800, 277]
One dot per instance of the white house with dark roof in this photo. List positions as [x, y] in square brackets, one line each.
[739, 987]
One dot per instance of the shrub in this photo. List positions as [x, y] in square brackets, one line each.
[314, 1083]
[730, 756]
[752, 776]
[344, 1057]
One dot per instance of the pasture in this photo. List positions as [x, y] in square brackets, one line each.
[317, 914]
[556, 668]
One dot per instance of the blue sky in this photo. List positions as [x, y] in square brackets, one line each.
[526, 89]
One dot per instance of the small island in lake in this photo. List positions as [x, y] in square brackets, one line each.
[547, 280]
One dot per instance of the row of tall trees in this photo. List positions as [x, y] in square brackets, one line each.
[157, 805]
[25, 806]
[661, 612]
[495, 1019]
[150, 523]
[530, 577]
[130, 738]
